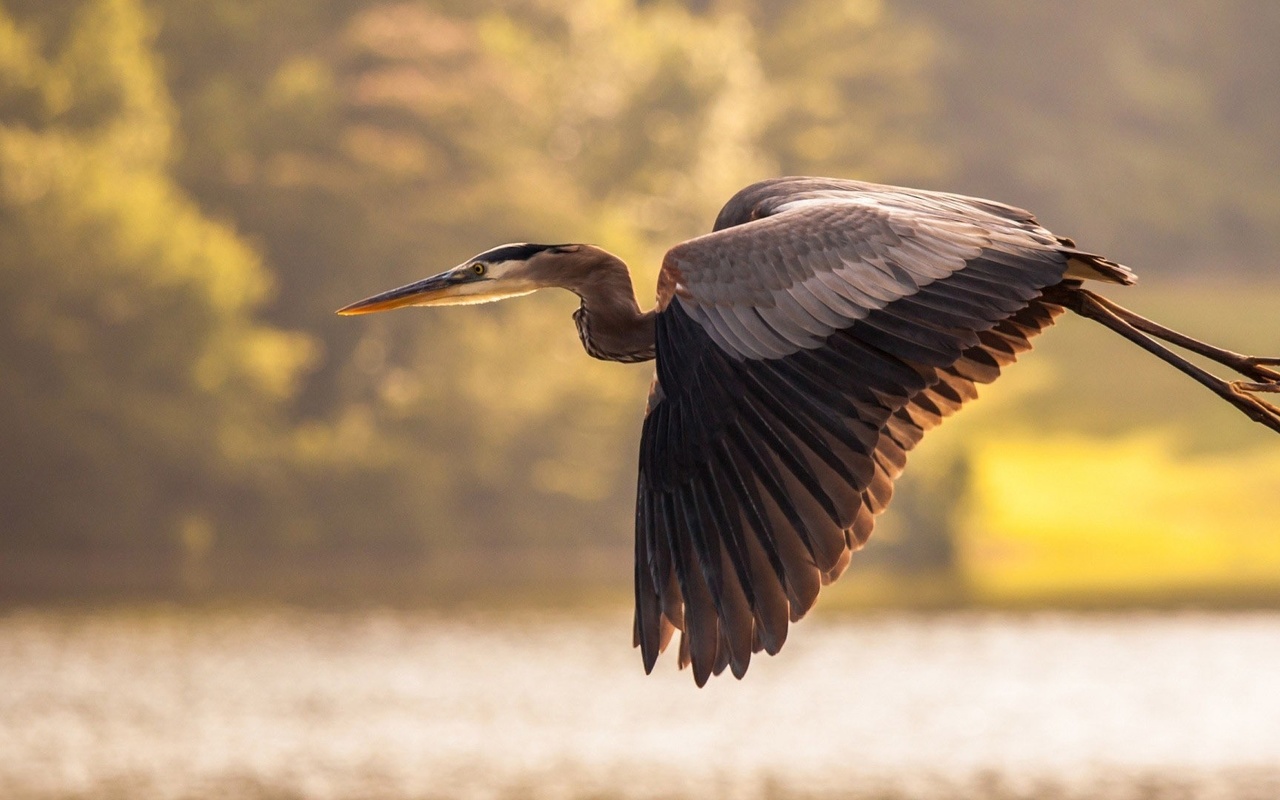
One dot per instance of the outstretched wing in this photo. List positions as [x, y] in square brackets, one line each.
[803, 349]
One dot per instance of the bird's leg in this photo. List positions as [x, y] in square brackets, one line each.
[1239, 394]
[1257, 368]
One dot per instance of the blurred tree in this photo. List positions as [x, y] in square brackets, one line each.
[930, 504]
[139, 396]
[1147, 131]
[369, 144]
[853, 95]
[151, 394]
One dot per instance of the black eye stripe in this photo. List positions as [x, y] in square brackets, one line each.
[515, 252]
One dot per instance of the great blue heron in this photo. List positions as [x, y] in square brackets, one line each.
[803, 348]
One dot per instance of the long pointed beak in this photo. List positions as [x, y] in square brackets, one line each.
[456, 287]
[424, 292]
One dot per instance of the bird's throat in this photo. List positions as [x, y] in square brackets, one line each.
[628, 338]
[610, 323]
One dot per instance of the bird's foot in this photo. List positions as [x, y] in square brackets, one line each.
[1260, 369]
[1265, 379]
[1254, 407]
[1243, 386]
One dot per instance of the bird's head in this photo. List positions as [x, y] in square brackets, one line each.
[507, 271]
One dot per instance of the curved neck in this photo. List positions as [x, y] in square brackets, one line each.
[610, 323]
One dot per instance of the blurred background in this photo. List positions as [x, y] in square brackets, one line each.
[208, 479]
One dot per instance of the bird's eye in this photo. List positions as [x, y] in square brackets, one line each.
[478, 268]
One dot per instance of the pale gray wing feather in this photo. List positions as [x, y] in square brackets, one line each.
[823, 260]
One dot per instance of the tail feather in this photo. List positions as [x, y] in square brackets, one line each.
[1087, 266]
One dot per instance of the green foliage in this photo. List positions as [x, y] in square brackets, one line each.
[138, 391]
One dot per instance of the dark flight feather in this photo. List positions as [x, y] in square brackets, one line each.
[803, 350]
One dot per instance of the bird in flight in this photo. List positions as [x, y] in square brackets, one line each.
[802, 349]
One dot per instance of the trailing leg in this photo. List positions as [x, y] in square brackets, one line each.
[1140, 331]
[1257, 368]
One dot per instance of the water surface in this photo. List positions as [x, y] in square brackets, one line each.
[292, 704]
